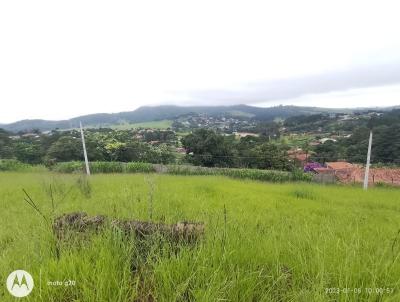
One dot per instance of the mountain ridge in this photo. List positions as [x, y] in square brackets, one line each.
[162, 112]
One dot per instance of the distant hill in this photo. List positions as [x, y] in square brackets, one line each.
[167, 112]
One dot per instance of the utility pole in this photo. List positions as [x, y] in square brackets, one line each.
[368, 162]
[84, 151]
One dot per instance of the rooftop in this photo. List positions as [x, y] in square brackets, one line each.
[339, 165]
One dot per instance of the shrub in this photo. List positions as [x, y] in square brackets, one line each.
[254, 174]
[68, 167]
[139, 167]
[11, 165]
[15, 165]
[106, 167]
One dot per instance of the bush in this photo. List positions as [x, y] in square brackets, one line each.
[11, 165]
[15, 165]
[254, 174]
[106, 167]
[68, 167]
[138, 167]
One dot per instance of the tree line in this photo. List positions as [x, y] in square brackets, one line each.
[102, 145]
[385, 146]
[205, 147]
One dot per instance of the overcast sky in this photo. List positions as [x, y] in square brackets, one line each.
[60, 59]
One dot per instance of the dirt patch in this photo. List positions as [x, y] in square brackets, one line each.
[376, 175]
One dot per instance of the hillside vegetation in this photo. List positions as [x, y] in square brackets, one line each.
[166, 112]
[227, 142]
[163, 124]
[263, 242]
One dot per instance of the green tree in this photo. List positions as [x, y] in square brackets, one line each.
[272, 156]
[66, 148]
[326, 152]
[5, 144]
[386, 144]
[207, 148]
[28, 151]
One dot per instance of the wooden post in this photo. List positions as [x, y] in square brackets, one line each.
[368, 162]
[84, 150]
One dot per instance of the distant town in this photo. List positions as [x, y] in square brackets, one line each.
[330, 145]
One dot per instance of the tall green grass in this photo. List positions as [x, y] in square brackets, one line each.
[15, 165]
[68, 167]
[104, 167]
[253, 174]
[137, 167]
[263, 242]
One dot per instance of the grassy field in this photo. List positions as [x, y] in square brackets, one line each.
[296, 141]
[263, 242]
[163, 124]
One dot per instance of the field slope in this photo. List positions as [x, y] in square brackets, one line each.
[164, 124]
[263, 242]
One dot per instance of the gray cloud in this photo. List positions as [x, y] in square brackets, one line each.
[291, 88]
